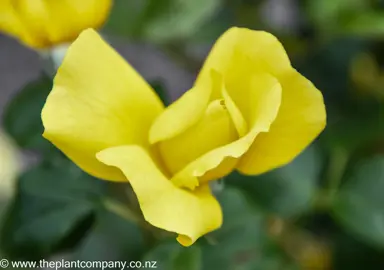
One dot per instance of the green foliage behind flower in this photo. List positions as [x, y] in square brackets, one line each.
[324, 210]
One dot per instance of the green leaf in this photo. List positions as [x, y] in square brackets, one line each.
[50, 204]
[353, 120]
[242, 243]
[172, 256]
[352, 254]
[188, 259]
[367, 24]
[353, 130]
[239, 240]
[211, 29]
[112, 238]
[328, 15]
[359, 205]
[159, 88]
[126, 16]
[328, 67]
[160, 21]
[22, 117]
[287, 191]
[179, 19]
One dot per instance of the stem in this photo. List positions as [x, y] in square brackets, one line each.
[53, 57]
[121, 210]
[148, 232]
[337, 165]
[336, 168]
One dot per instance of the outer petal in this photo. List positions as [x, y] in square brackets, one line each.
[47, 22]
[190, 214]
[240, 53]
[214, 129]
[98, 101]
[264, 99]
[301, 118]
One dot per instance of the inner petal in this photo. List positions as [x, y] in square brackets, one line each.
[215, 129]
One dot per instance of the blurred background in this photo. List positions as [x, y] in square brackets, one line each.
[323, 211]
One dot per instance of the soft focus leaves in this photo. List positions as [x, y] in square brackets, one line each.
[353, 120]
[329, 15]
[189, 259]
[159, 88]
[59, 208]
[370, 24]
[242, 242]
[355, 130]
[178, 19]
[239, 240]
[126, 17]
[51, 202]
[360, 204]
[351, 17]
[328, 67]
[160, 21]
[352, 254]
[211, 30]
[111, 238]
[22, 116]
[170, 255]
[287, 191]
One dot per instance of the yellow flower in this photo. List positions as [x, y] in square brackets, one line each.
[44, 23]
[248, 110]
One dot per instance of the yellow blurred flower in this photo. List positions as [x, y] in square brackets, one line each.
[367, 75]
[45, 23]
[10, 165]
[248, 110]
[365, 71]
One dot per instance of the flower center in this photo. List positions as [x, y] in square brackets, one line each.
[214, 129]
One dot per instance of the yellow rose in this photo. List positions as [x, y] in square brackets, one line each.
[44, 23]
[248, 110]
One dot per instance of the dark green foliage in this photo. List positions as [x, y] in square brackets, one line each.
[22, 118]
[332, 194]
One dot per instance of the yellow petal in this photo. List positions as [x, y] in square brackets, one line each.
[190, 214]
[264, 98]
[11, 24]
[180, 115]
[236, 115]
[214, 129]
[186, 111]
[43, 23]
[301, 118]
[98, 101]
[240, 53]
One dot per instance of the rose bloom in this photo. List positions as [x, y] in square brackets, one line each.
[249, 110]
